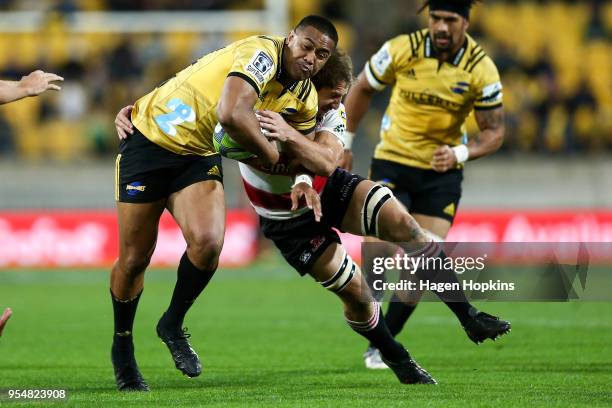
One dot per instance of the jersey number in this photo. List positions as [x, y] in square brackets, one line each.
[179, 113]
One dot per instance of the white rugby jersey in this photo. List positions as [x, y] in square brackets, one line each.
[269, 190]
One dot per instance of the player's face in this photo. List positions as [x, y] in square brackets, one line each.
[447, 30]
[307, 51]
[330, 98]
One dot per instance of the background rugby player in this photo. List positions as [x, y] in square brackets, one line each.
[438, 75]
[169, 161]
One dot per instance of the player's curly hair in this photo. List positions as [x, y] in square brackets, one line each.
[461, 3]
[338, 68]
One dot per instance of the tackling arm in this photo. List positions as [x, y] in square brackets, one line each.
[318, 153]
[320, 156]
[235, 113]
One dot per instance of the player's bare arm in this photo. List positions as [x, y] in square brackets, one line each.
[357, 103]
[491, 136]
[235, 113]
[33, 84]
[488, 141]
[321, 155]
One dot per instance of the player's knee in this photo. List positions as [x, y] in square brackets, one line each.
[133, 264]
[204, 249]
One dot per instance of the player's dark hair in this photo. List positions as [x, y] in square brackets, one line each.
[338, 68]
[320, 23]
[461, 7]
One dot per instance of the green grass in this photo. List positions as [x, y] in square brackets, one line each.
[267, 337]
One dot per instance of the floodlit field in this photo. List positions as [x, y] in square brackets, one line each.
[267, 337]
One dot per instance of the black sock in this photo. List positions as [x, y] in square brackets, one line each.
[455, 300]
[397, 315]
[124, 313]
[190, 282]
[376, 331]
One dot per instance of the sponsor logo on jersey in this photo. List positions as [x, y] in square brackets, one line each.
[135, 188]
[259, 66]
[422, 98]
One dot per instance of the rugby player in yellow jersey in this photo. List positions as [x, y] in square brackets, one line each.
[438, 75]
[169, 162]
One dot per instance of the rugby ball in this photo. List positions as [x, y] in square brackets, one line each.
[228, 147]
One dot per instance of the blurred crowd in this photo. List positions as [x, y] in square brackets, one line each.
[555, 59]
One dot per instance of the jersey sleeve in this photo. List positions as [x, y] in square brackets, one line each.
[334, 122]
[382, 68]
[304, 119]
[256, 62]
[488, 86]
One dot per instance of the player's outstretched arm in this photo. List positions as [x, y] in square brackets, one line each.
[33, 84]
[357, 104]
[488, 141]
[320, 156]
[235, 113]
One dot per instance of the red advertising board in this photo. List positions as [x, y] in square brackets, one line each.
[89, 238]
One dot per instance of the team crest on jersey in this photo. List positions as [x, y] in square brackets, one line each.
[460, 88]
[259, 66]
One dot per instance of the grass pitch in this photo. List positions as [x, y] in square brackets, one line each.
[267, 337]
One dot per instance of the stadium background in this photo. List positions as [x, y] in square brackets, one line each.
[549, 182]
[57, 151]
